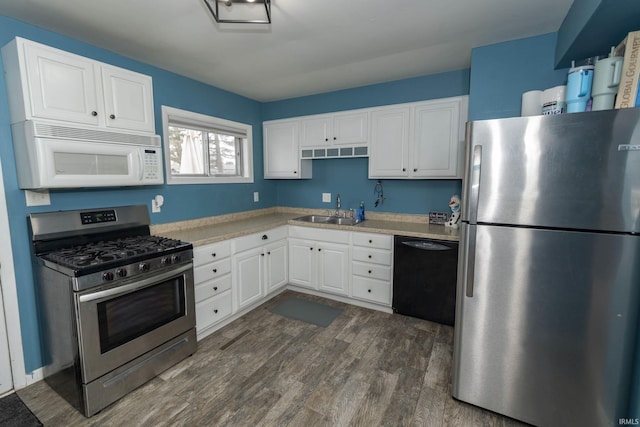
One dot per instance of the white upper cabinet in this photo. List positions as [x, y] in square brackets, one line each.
[51, 84]
[334, 129]
[282, 152]
[128, 99]
[419, 140]
[389, 142]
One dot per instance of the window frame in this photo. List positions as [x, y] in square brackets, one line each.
[178, 117]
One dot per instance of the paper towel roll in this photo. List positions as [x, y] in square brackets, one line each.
[531, 103]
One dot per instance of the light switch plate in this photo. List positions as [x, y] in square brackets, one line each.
[326, 197]
[37, 197]
[256, 196]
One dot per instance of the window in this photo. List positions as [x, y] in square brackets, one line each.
[203, 149]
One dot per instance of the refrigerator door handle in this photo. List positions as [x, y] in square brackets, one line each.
[470, 258]
[474, 184]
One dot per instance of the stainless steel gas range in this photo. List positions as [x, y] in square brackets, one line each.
[117, 304]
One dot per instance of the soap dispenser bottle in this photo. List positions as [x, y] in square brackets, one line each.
[361, 212]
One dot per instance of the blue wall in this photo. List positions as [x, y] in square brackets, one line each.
[181, 201]
[501, 73]
[348, 177]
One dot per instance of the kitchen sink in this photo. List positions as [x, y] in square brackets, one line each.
[325, 219]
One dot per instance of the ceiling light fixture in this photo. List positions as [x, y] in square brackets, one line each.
[240, 11]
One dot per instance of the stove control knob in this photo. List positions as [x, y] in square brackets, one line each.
[143, 266]
[165, 260]
[121, 272]
[107, 276]
[175, 258]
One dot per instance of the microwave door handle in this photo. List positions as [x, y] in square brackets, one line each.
[141, 165]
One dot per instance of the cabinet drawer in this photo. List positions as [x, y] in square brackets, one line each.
[373, 240]
[212, 288]
[213, 252]
[213, 310]
[258, 239]
[373, 271]
[372, 290]
[211, 271]
[375, 256]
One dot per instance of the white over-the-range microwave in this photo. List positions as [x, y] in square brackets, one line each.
[57, 156]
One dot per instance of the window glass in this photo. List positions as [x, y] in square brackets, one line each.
[204, 149]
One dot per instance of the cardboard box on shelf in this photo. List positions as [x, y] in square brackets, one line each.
[628, 89]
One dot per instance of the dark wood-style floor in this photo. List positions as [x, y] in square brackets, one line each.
[366, 369]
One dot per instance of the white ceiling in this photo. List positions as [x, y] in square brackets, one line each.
[312, 46]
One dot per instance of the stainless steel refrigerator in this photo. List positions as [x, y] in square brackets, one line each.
[549, 272]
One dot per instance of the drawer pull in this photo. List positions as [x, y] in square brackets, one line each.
[215, 270]
[319, 249]
[215, 310]
[213, 254]
[369, 271]
[265, 237]
[369, 290]
[262, 254]
[268, 253]
[310, 249]
[215, 288]
[370, 241]
[369, 256]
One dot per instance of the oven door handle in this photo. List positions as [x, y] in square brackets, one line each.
[134, 286]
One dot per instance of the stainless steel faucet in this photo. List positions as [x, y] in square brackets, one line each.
[338, 205]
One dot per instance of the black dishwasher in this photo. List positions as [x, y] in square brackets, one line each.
[424, 278]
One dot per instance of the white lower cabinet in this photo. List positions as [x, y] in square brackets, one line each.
[259, 265]
[212, 279]
[372, 267]
[319, 259]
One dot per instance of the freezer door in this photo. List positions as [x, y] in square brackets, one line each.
[578, 171]
[548, 333]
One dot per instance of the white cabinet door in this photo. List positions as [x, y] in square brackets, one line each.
[350, 129]
[61, 86]
[436, 140]
[302, 263]
[389, 143]
[315, 132]
[333, 268]
[276, 266]
[282, 153]
[248, 276]
[128, 98]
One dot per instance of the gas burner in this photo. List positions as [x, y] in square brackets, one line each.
[119, 251]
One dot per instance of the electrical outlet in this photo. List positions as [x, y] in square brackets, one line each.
[256, 196]
[37, 197]
[326, 197]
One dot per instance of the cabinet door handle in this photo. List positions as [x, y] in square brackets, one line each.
[213, 254]
[369, 256]
[215, 270]
[319, 249]
[265, 237]
[415, 169]
[369, 290]
[310, 249]
[268, 253]
[262, 254]
[369, 271]
[334, 138]
[112, 116]
[94, 113]
[215, 311]
[404, 169]
[370, 241]
[326, 139]
[215, 288]
[295, 171]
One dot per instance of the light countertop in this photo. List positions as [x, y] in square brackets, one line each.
[213, 229]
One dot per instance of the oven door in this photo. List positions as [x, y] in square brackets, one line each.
[118, 324]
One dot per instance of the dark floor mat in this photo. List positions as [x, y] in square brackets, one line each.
[14, 413]
[307, 311]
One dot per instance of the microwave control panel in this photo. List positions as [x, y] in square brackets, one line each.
[152, 165]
